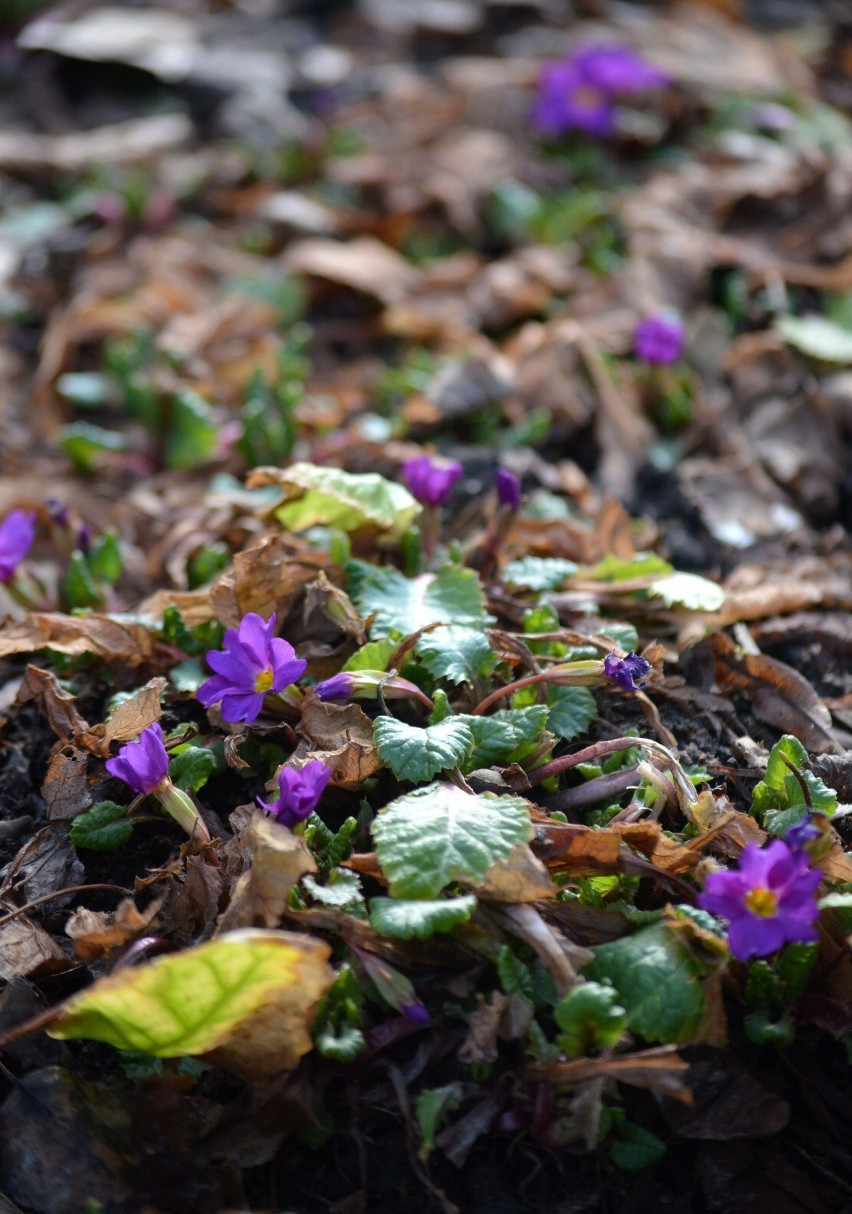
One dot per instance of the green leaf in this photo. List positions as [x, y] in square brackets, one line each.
[439, 834]
[331, 497]
[572, 710]
[781, 790]
[193, 434]
[104, 827]
[375, 655]
[206, 998]
[418, 754]
[539, 572]
[633, 1148]
[431, 1108]
[192, 767]
[459, 654]
[404, 605]
[655, 978]
[817, 337]
[688, 590]
[624, 635]
[86, 389]
[342, 888]
[188, 675]
[498, 738]
[418, 920]
[105, 560]
[590, 1017]
[84, 443]
[343, 1044]
[615, 569]
[515, 977]
[77, 587]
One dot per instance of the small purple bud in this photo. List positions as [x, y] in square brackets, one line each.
[84, 539]
[508, 489]
[58, 511]
[799, 835]
[416, 1012]
[659, 339]
[300, 791]
[338, 687]
[17, 532]
[626, 673]
[429, 480]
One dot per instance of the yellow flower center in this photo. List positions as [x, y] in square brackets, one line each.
[586, 97]
[263, 682]
[762, 902]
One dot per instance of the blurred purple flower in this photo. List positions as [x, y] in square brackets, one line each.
[769, 901]
[626, 673]
[802, 833]
[338, 687]
[17, 532]
[254, 662]
[143, 764]
[416, 1012]
[508, 489]
[430, 480]
[577, 93]
[299, 792]
[659, 338]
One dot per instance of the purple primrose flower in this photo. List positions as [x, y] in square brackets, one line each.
[659, 339]
[799, 835]
[431, 480]
[17, 532]
[577, 93]
[768, 901]
[508, 489]
[144, 764]
[253, 662]
[627, 673]
[338, 687]
[300, 790]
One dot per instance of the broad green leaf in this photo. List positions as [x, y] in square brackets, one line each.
[77, 588]
[616, 569]
[193, 434]
[341, 888]
[624, 635]
[104, 827]
[781, 789]
[417, 920]
[84, 443]
[688, 590]
[418, 754]
[459, 654]
[104, 560]
[330, 497]
[656, 980]
[439, 834]
[248, 994]
[632, 1148]
[432, 1106]
[572, 710]
[375, 655]
[817, 337]
[590, 1017]
[404, 605]
[498, 737]
[539, 572]
[192, 767]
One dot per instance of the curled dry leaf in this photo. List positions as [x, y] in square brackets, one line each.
[364, 265]
[341, 736]
[268, 579]
[660, 1070]
[58, 705]
[98, 934]
[128, 720]
[279, 859]
[27, 949]
[115, 641]
[65, 788]
[521, 877]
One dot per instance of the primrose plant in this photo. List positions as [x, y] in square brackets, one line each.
[144, 766]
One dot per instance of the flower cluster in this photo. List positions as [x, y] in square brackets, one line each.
[768, 901]
[17, 532]
[299, 792]
[254, 662]
[578, 93]
[659, 339]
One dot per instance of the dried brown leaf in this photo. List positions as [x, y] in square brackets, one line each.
[128, 720]
[65, 788]
[660, 1070]
[98, 934]
[279, 859]
[364, 265]
[59, 705]
[124, 642]
[521, 877]
[26, 949]
[268, 579]
[341, 736]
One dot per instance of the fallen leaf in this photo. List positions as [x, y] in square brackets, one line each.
[521, 877]
[58, 704]
[124, 642]
[341, 737]
[66, 787]
[98, 934]
[27, 949]
[279, 859]
[128, 720]
[660, 1070]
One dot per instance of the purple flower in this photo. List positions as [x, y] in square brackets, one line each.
[659, 338]
[338, 687]
[143, 764]
[431, 480]
[416, 1012]
[17, 532]
[626, 673]
[299, 792]
[799, 835]
[508, 489]
[577, 93]
[768, 901]
[253, 663]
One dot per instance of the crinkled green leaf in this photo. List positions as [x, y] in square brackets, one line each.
[688, 590]
[439, 834]
[572, 710]
[634, 1149]
[457, 653]
[780, 789]
[330, 497]
[817, 337]
[193, 435]
[418, 754]
[192, 767]
[590, 1017]
[342, 888]
[539, 572]
[501, 735]
[248, 994]
[404, 605]
[417, 920]
[375, 655]
[656, 980]
[104, 827]
[515, 977]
